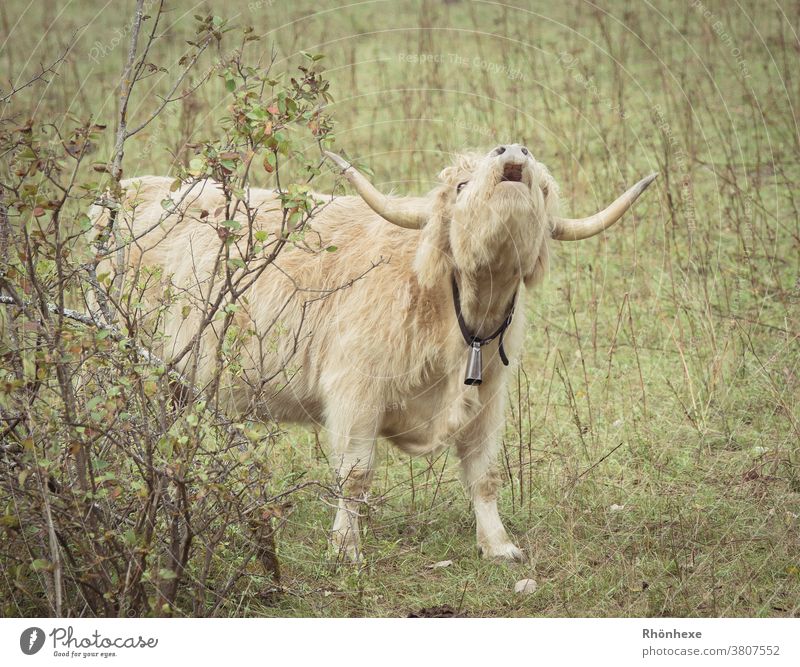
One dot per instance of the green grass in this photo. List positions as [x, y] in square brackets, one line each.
[661, 366]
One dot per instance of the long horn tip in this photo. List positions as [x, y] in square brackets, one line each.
[642, 185]
[338, 160]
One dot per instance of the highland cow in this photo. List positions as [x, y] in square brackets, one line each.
[404, 332]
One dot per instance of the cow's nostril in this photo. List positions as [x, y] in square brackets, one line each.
[512, 172]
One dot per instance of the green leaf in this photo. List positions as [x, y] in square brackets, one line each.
[197, 166]
[165, 446]
[129, 537]
[313, 57]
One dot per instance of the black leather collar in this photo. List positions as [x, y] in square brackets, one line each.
[470, 338]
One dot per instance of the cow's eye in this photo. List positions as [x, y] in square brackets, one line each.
[461, 186]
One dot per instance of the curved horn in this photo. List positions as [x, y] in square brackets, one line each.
[408, 212]
[569, 229]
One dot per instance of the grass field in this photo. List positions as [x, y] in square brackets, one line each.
[652, 446]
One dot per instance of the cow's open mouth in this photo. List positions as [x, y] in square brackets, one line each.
[512, 172]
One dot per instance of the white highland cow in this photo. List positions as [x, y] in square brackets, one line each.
[414, 349]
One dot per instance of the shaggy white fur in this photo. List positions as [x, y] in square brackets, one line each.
[383, 357]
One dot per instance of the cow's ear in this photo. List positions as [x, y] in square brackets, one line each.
[449, 174]
[541, 265]
[550, 194]
[550, 191]
[433, 261]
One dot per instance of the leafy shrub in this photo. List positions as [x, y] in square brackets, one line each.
[127, 489]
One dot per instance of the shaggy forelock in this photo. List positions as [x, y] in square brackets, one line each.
[461, 167]
[464, 166]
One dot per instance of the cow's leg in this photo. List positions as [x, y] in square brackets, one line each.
[353, 456]
[478, 446]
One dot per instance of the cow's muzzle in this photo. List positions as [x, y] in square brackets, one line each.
[512, 172]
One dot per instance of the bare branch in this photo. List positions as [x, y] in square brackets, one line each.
[169, 96]
[90, 321]
[44, 71]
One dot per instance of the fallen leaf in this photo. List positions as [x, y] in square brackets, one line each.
[443, 611]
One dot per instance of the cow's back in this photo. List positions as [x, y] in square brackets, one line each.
[330, 305]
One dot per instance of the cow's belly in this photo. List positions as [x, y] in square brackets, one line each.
[414, 444]
[283, 398]
[418, 426]
[284, 404]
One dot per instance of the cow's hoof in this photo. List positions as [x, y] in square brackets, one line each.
[506, 551]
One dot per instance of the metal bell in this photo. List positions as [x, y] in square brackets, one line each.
[474, 365]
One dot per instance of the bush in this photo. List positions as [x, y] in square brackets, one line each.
[129, 490]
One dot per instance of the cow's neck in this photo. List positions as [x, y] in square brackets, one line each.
[486, 294]
[489, 278]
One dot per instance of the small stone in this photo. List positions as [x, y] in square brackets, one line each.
[525, 586]
[441, 563]
[616, 508]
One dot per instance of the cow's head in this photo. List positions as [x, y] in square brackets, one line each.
[493, 208]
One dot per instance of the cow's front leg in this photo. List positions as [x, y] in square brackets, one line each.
[477, 446]
[353, 455]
